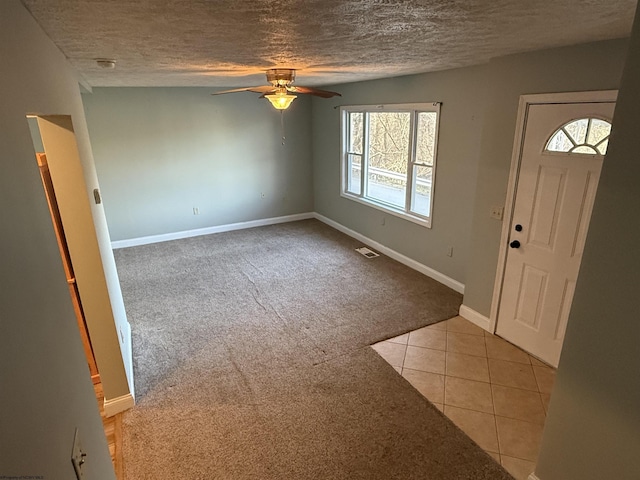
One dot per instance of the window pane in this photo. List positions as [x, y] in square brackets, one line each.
[598, 131]
[602, 148]
[585, 149]
[354, 185]
[355, 132]
[388, 157]
[560, 142]
[426, 137]
[422, 190]
[578, 130]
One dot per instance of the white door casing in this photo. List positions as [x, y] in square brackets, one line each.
[554, 194]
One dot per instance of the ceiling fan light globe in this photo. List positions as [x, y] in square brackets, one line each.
[281, 101]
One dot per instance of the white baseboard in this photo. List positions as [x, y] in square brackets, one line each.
[116, 405]
[128, 365]
[475, 318]
[165, 237]
[429, 272]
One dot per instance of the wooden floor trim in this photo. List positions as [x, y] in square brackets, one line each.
[113, 432]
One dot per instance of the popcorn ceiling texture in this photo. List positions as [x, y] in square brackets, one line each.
[232, 42]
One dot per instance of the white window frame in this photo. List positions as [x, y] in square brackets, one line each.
[413, 109]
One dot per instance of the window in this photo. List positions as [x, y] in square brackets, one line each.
[586, 135]
[389, 157]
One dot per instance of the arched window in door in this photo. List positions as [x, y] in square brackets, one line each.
[586, 135]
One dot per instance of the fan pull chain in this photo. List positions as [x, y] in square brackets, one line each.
[282, 125]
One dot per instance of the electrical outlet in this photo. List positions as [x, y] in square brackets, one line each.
[497, 211]
[78, 456]
[383, 221]
[450, 252]
[196, 211]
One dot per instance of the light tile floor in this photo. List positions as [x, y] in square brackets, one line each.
[495, 392]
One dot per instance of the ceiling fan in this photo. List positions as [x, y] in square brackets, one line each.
[280, 92]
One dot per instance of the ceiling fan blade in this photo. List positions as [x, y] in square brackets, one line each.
[262, 89]
[313, 91]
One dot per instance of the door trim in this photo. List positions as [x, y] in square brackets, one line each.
[601, 96]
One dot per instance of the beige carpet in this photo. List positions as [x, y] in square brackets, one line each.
[251, 362]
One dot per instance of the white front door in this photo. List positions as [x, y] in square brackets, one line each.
[560, 165]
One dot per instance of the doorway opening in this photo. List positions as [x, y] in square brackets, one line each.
[56, 219]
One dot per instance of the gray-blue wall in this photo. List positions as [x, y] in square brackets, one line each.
[161, 152]
[45, 386]
[479, 108]
[462, 95]
[593, 427]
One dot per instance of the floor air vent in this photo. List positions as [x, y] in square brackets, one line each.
[366, 252]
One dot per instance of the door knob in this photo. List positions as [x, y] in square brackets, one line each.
[515, 244]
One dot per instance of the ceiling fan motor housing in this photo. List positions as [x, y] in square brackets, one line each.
[281, 77]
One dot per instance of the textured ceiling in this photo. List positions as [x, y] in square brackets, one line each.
[232, 42]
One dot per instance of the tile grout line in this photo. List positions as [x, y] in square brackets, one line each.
[519, 420]
[445, 376]
[544, 407]
[493, 402]
[404, 357]
[446, 354]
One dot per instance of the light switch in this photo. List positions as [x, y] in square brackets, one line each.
[78, 456]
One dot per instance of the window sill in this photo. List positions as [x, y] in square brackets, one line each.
[423, 222]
